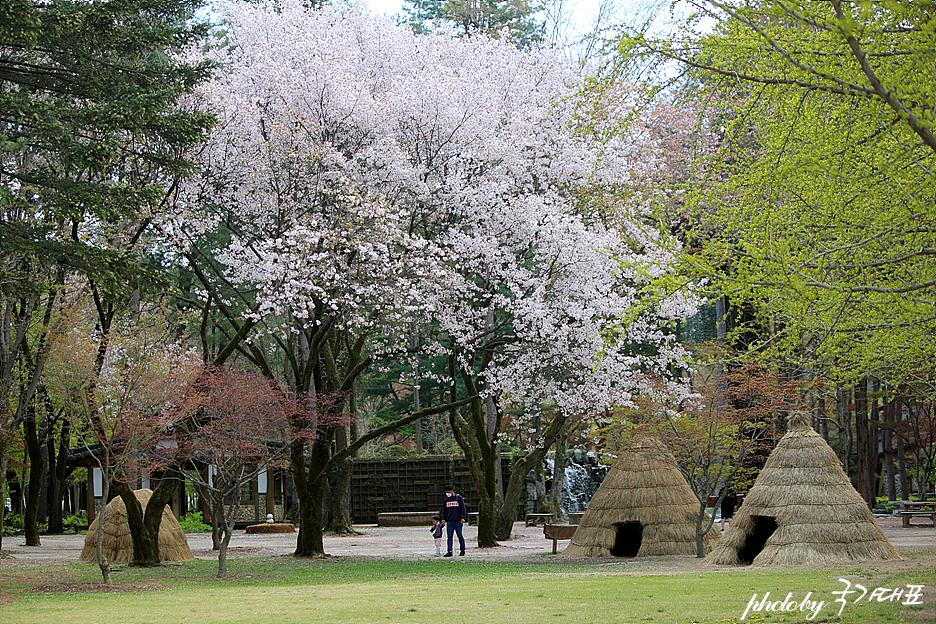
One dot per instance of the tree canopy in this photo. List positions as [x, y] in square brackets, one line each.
[819, 194]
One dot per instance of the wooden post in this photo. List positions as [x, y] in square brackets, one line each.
[91, 499]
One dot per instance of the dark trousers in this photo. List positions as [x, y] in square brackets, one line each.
[455, 527]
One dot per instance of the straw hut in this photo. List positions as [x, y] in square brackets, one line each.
[643, 508]
[802, 510]
[117, 544]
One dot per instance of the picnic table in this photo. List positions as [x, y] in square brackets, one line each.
[910, 509]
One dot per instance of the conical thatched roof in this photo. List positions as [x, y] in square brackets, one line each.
[117, 545]
[643, 486]
[818, 516]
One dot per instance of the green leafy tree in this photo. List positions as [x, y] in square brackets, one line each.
[92, 144]
[518, 17]
[818, 196]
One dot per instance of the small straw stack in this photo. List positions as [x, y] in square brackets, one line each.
[643, 485]
[117, 544]
[820, 518]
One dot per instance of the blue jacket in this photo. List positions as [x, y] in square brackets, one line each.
[453, 509]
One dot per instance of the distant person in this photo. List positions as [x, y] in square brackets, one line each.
[454, 514]
[436, 530]
[727, 509]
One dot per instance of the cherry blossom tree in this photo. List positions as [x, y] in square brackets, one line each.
[364, 180]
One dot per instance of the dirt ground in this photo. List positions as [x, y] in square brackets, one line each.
[528, 545]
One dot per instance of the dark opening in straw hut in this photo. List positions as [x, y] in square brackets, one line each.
[643, 508]
[802, 510]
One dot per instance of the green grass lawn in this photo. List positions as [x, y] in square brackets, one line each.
[285, 590]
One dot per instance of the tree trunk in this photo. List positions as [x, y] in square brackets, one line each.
[902, 461]
[539, 486]
[863, 466]
[489, 499]
[506, 514]
[144, 524]
[417, 425]
[311, 486]
[36, 467]
[143, 554]
[341, 494]
[58, 473]
[225, 529]
[492, 418]
[844, 426]
[102, 562]
[559, 466]
[152, 517]
[823, 419]
[889, 468]
[4, 462]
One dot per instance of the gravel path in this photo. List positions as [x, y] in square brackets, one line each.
[528, 545]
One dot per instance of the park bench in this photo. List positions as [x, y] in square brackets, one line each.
[405, 518]
[557, 532]
[917, 508]
[576, 517]
[532, 519]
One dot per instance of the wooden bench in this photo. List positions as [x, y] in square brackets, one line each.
[557, 532]
[924, 509]
[472, 517]
[576, 517]
[545, 518]
[405, 518]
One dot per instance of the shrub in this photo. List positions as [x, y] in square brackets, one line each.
[14, 524]
[193, 523]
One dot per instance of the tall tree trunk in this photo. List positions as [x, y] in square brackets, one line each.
[310, 489]
[143, 554]
[889, 468]
[559, 466]
[506, 515]
[4, 463]
[823, 419]
[58, 473]
[492, 418]
[341, 494]
[902, 479]
[417, 425]
[863, 466]
[843, 418]
[152, 515]
[225, 528]
[36, 467]
[144, 524]
[102, 513]
[491, 500]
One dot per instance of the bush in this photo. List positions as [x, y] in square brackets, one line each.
[75, 522]
[14, 524]
[193, 523]
[880, 503]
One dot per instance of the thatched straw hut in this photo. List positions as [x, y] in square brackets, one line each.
[116, 543]
[802, 510]
[643, 508]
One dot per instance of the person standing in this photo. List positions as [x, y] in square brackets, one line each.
[436, 530]
[454, 514]
[727, 509]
